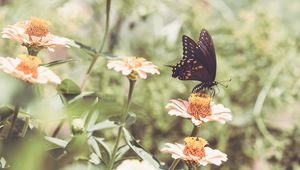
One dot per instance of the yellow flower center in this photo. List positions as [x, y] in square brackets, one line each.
[133, 62]
[37, 27]
[29, 65]
[199, 105]
[195, 146]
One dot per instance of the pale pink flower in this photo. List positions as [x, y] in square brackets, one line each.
[133, 67]
[199, 109]
[34, 33]
[135, 165]
[195, 152]
[27, 69]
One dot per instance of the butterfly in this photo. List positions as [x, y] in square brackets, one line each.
[198, 62]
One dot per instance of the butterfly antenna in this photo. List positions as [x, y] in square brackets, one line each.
[169, 66]
[224, 81]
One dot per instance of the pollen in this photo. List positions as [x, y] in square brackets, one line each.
[195, 146]
[133, 62]
[199, 105]
[29, 65]
[37, 27]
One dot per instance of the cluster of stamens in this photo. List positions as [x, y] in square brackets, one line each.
[199, 105]
[132, 63]
[29, 65]
[195, 146]
[37, 27]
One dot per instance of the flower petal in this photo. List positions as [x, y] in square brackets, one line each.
[213, 156]
[178, 108]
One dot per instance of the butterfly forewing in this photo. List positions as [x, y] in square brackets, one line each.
[207, 49]
[192, 66]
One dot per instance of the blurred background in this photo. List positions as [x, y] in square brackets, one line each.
[257, 45]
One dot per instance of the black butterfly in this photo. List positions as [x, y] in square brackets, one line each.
[198, 62]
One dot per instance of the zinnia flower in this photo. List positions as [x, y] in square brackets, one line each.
[133, 67]
[34, 34]
[195, 152]
[27, 68]
[135, 165]
[199, 109]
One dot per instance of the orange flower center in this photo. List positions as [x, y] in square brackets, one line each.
[194, 146]
[29, 65]
[133, 62]
[37, 27]
[199, 105]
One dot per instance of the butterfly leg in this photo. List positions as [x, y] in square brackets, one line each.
[213, 92]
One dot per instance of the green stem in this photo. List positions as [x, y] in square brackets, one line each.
[16, 112]
[61, 123]
[57, 129]
[130, 92]
[176, 161]
[192, 167]
[95, 57]
[124, 115]
[25, 127]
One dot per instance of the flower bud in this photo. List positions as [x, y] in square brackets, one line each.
[77, 126]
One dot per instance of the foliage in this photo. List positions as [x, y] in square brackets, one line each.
[257, 46]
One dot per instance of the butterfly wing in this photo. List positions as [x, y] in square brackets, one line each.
[191, 66]
[208, 54]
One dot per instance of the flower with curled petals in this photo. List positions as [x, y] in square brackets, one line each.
[194, 151]
[135, 165]
[27, 68]
[200, 109]
[34, 35]
[133, 67]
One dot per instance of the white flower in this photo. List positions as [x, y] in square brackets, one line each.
[134, 67]
[27, 69]
[34, 33]
[135, 165]
[195, 152]
[199, 109]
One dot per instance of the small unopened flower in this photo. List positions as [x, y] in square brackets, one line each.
[135, 165]
[194, 151]
[199, 109]
[27, 68]
[77, 125]
[33, 34]
[133, 67]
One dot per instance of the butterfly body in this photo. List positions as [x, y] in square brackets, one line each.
[198, 62]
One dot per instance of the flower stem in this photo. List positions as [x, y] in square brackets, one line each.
[95, 57]
[57, 129]
[176, 161]
[16, 112]
[123, 116]
[130, 92]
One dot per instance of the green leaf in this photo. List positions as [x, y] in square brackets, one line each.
[78, 147]
[90, 97]
[69, 89]
[131, 118]
[85, 103]
[58, 62]
[139, 150]
[5, 113]
[89, 49]
[93, 143]
[121, 152]
[59, 142]
[104, 150]
[103, 125]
